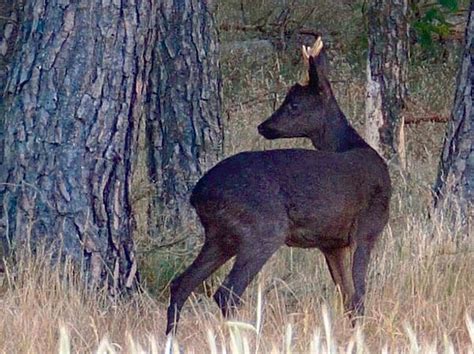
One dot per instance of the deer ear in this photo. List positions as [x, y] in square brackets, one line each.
[315, 60]
[322, 63]
[317, 71]
[313, 73]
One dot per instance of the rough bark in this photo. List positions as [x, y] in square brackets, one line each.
[387, 76]
[72, 108]
[454, 188]
[184, 128]
[9, 24]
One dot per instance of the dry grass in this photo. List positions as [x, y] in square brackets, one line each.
[420, 296]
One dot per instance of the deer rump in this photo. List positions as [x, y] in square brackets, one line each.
[314, 196]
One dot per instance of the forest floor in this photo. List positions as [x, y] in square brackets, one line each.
[420, 293]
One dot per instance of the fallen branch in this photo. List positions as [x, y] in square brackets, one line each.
[434, 118]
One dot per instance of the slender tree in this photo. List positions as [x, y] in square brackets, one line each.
[72, 106]
[387, 76]
[183, 127]
[454, 188]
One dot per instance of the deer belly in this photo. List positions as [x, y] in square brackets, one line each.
[304, 237]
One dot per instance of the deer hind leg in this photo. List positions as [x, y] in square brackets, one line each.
[259, 242]
[368, 231]
[359, 271]
[211, 257]
[247, 264]
[339, 262]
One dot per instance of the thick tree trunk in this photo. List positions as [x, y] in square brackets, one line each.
[73, 105]
[184, 128]
[386, 76]
[454, 188]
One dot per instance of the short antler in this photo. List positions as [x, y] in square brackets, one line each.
[314, 50]
[310, 52]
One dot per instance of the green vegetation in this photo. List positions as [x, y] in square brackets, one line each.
[431, 20]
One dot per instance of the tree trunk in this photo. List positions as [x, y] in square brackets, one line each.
[73, 105]
[183, 127]
[387, 76]
[9, 25]
[454, 188]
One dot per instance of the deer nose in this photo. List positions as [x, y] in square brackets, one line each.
[267, 132]
[264, 130]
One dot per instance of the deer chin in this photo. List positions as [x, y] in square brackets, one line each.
[271, 133]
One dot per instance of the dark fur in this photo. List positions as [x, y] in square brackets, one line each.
[335, 199]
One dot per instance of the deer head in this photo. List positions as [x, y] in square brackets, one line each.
[308, 105]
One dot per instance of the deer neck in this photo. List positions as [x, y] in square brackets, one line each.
[337, 135]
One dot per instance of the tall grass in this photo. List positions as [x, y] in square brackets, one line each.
[419, 300]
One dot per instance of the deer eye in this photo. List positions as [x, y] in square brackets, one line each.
[293, 106]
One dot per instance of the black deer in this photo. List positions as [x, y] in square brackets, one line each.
[335, 198]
